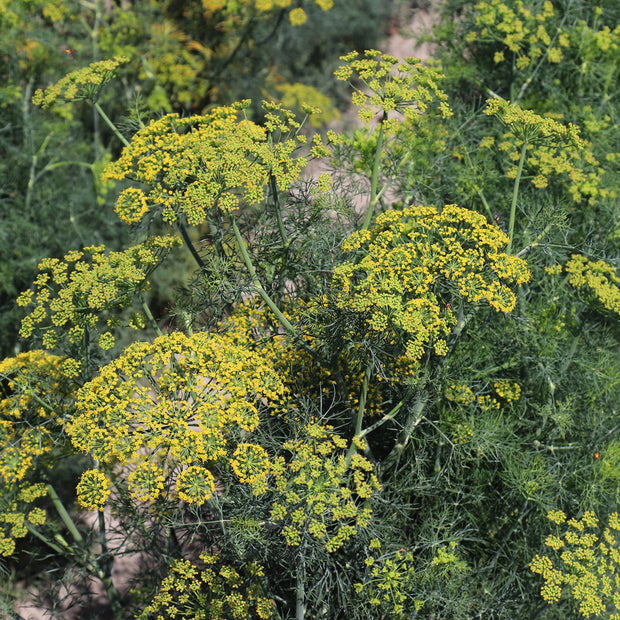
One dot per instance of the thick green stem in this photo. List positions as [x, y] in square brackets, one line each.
[110, 124]
[361, 408]
[276, 203]
[386, 418]
[64, 515]
[150, 317]
[300, 594]
[414, 419]
[515, 195]
[105, 574]
[363, 396]
[256, 282]
[375, 176]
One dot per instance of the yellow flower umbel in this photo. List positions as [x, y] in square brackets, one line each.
[167, 410]
[408, 87]
[35, 390]
[414, 265]
[93, 490]
[215, 591]
[90, 290]
[390, 583]
[192, 165]
[81, 85]
[527, 31]
[597, 280]
[588, 568]
[549, 149]
[322, 490]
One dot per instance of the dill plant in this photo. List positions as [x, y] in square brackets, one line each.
[379, 417]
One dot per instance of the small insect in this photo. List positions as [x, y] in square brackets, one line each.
[597, 455]
[69, 52]
[448, 306]
[498, 219]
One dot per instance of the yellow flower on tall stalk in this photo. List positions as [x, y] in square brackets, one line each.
[548, 149]
[190, 166]
[82, 84]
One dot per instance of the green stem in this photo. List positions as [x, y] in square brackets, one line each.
[256, 282]
[190, 246]
[386, 418]
[150, 317]
[361, 408]
[515, 195]
[534, 243]
[110, 124]
[276, 202]
[64, 515]
[375, 176]
[485, 203]
[300, 594]
[412, 422]
[48, 542]
[105, 574]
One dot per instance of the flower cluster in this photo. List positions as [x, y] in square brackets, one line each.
[297, 16]
[195, 164]
[390, 581]
[251, 465]
[216, 591]
[552, 149]
[411, 267]
[462, 432]
[596, 279]
[526, 31]
[90, 289]
[408, 87]
[590, 565]
[81, 85]
[528, 34]
[35, 390]
[93, 490]
[15, 517]
[323, 492]
[505, 389]
[167, 410]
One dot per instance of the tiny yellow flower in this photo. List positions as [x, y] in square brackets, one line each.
[297, 17]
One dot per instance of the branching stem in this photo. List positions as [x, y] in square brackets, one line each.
[256, 282]
[110, 124]
[375, 176]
